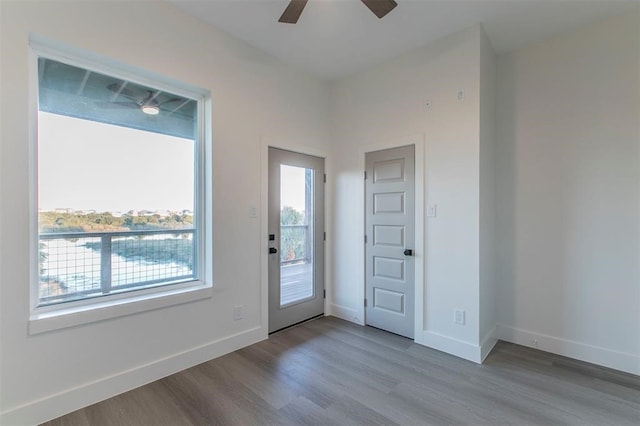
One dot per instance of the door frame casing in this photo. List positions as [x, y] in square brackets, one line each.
[419, 217]
[263, 214]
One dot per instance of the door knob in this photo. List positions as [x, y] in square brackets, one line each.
[273, 250]
[408, 252]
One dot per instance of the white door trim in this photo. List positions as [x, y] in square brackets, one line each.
[263, 214]
[420, 249]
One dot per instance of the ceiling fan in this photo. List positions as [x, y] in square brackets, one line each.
[144, 100]
[293, 11]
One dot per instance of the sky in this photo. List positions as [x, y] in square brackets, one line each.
[292, 187]
[85, 165]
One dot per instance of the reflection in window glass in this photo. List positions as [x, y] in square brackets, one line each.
[296, 234]
[116, 179]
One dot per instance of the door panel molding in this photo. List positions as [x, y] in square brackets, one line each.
[390, 269]
[356, 313]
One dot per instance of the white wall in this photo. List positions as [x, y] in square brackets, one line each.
[487, 292]
[254, 97]
[569, 202]
[386, 105]
[567, 176]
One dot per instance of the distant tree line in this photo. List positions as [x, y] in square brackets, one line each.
[100, 222]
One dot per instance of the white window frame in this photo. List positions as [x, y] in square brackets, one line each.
[68, 314]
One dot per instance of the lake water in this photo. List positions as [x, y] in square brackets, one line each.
[72, 267]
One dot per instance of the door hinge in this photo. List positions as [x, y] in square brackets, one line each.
[365, 303]
[325, 178]
[324, 235]
[324, 294]
[365, 239]
[365, 175]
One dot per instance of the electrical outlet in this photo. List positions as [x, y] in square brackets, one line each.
[458, 316]
[237, 313]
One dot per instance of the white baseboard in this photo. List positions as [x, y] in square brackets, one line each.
[50, 407]
[487, 343]
[450, 345]
[347, 314]
[622, 361]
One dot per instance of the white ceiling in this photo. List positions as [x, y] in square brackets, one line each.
[336, 38]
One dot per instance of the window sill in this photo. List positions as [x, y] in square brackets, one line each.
[42, 322]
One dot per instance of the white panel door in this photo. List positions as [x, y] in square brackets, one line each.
[296, 238]
[390, 238]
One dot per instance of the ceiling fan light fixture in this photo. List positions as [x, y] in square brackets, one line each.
[150, 109]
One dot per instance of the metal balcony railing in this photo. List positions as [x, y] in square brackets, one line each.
[77, 265]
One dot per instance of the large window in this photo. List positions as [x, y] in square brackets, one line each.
[120, 185]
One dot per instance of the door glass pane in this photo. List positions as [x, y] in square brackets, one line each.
[296, 234]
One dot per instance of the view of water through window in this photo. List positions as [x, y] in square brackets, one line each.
[116, 208]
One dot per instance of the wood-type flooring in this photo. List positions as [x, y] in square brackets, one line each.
[331, 372]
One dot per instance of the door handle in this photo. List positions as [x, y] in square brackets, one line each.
[273, 250]
[408, 252]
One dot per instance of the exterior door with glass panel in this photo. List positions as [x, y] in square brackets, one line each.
[389, 189]
[296, 238]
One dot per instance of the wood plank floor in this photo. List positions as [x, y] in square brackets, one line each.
[331, 372]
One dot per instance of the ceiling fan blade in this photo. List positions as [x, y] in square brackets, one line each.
[380, 7]
[292, 12]
[127, 92]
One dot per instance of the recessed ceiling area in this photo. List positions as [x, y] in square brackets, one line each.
[337, 38]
